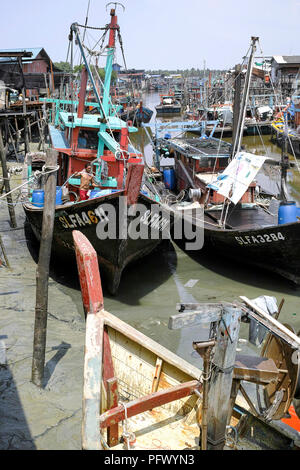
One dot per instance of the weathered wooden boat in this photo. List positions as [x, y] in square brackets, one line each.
[138, 395]
[102, 140]
[137, 113]
[168, 105]
[142, 114]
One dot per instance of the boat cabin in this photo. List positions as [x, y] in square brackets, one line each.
[197, 162]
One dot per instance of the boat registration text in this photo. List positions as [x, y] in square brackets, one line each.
[265, 238]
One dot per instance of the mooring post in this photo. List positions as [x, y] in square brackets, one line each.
[11, 209]
[222, 376]
[42, 273]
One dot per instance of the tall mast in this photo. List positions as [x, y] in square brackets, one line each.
[109, 61]
[241, 122]
[284, 161]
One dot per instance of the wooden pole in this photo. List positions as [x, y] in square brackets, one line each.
[222, 377]
[236, 104]
[11, 209]
[13, 143]
[42, 273]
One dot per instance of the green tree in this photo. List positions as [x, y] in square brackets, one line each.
[63, 66]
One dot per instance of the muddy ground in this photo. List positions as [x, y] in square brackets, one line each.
[30, 417]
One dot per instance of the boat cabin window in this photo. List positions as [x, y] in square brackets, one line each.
[88, 139]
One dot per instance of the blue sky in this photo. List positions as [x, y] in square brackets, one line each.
[166, 34]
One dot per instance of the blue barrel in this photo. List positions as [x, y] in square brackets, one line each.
[58, 199]
[287, 212]
[38, 197]
[169, 178]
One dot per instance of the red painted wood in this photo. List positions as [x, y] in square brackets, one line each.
[133, 182]
[112, 32]
[112, 400]
[124, 138]
[108, 367]
[89, 275]
[82, 92]
[148, 402]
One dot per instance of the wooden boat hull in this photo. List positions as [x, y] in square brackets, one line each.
[113, 253]
[161, 396]
[168, 109]
[143, 367]
[275, 248]
[147, 397]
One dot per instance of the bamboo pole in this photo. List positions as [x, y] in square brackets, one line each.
[42, 273]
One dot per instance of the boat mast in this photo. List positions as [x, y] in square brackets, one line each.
[113, 26]
[284, 164]
[105, 102]
[241, 122]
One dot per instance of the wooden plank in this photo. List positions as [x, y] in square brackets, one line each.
[148, 402]
[195, 314]
[89, 275]
[92, 378]
[156, 375]
[108, 367]
[112, 401]
[147, 343]
[255, 369]
[133, 182]
[272, 321]
[222, 377]
[91, 291]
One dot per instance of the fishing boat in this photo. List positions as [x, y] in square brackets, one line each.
[101, 139]
[236, 224]
[168, 104]
[138, 395]
[136, 112]
[285, 127]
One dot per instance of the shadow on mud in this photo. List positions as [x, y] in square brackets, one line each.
[14, 429]
[138, 278]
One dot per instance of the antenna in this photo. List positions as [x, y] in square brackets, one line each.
[115, 4]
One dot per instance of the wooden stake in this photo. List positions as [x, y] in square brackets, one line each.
[4, 253]
[222, 377]
[42, 273]
[11, 209]
[13, 143]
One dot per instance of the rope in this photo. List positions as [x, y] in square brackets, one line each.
[94, 27]
[38, 173]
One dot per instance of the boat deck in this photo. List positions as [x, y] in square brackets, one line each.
[245, 217]
[240, 217]
[157, 430]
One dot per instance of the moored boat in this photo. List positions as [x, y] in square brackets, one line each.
[168, 104]
[107, 215]
[235, 223]
[138, 395]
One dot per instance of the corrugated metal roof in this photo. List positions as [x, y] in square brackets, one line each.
[35, 52]
[287, 59]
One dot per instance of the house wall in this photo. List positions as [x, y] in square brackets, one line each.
[38, 66]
